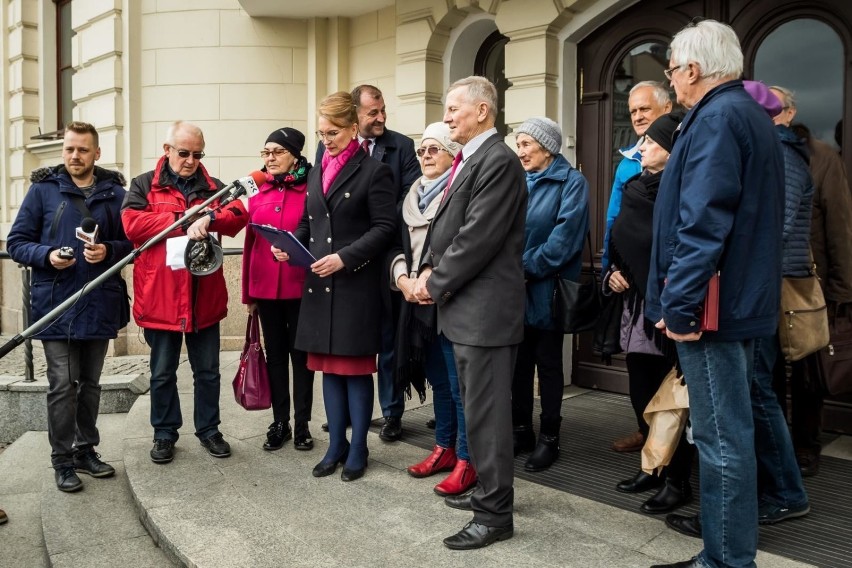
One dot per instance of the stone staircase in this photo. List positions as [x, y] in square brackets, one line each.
[258, 509]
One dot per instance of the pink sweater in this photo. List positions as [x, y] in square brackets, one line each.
[263, 277]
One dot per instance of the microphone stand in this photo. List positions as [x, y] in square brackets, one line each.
[47, 319]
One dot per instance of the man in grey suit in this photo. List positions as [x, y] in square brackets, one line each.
[477, 280]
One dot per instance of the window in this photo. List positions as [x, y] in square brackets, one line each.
[64, 68]
[491, 63]
[806, 56]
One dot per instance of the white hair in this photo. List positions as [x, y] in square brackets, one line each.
[788, 98]
[661, 93]
[713, 46]
[182, 126]
[479, 90]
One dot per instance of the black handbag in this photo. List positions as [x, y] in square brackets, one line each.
[577, 305]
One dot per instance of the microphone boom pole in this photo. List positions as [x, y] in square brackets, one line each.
[48, 318]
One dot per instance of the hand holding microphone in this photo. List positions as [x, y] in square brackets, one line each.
[93, 251]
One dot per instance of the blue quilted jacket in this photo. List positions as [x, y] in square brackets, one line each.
[798, 193]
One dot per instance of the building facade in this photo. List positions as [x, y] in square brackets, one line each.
[240, 68]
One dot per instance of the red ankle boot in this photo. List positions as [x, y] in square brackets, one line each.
[441, 459]
[462, 478]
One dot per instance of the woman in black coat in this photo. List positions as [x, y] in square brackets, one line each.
[348, 225]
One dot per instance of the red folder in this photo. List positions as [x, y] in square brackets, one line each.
[710, 312]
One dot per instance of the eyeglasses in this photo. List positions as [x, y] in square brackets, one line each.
[277, 152]
[330, 135]
[187, 153]
[431, 150]
[670, 71]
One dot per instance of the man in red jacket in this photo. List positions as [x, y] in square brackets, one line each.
[171, 305]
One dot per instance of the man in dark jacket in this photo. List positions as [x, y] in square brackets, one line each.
[475, 275]
[397, 151]
[720, 208]
[75, 345]
[173, 304]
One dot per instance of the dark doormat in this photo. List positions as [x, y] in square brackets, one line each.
[588, 468]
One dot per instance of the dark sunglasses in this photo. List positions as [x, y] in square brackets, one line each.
[187, 153]
[431, 150]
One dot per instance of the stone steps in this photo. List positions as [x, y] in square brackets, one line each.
[98, 526]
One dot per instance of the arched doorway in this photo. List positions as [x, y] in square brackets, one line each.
[764, 27]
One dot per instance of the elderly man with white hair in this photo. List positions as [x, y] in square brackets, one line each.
[720, 210]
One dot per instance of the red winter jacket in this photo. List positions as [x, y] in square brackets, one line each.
[163, 298]
[263, 277]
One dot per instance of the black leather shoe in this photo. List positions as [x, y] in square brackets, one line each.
[303, 440]
[674, 494]
[459, 501]
[546, 452]
[523, 439]
[688, 525]
[325, 468]
[163, 451]
[67, 480]
[694, 563]
[475, 535]
[392, 429]
[89, 462]
[808, 461]
[279, 432]
[352, 474]
[216, 446]
[639, 483]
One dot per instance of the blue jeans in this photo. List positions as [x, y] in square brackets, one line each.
[779, 481]
[440, 366]
[203, 350]
[719, 378]
[392, 403]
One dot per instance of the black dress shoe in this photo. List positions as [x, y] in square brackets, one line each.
[546, 452]
[459, 501]
[475, 535]
[352, 474]
[325, 468]
[67, 480]
[674, 494]
[302, 439]
[694, 563]
[279, 432]
[392, 429]
[523, 439]
[688, 525]
[89, 462]
[639, 483]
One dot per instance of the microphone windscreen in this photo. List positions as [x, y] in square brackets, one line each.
[259, 177]
[88, 224]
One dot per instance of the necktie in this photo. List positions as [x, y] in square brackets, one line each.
[365, 145]
[456, 161]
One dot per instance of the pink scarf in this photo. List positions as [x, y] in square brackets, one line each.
[331, 165]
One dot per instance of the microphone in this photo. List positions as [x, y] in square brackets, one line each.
[247, 186]
[88, 231]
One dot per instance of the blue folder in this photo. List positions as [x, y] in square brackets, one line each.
[299, 255]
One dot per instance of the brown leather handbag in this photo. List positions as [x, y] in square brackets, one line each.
[803, 322]
[834, 362]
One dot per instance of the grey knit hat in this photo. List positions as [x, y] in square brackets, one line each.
[544, 131]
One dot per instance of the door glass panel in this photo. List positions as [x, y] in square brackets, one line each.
[645, 62]
[806, 56]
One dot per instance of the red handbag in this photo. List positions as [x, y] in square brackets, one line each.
[251, 384]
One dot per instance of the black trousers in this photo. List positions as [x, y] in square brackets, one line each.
[278, 319]
[646, 373]
[806, 402]
[543, 349]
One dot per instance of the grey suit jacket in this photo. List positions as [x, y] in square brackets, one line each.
[476, 248]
